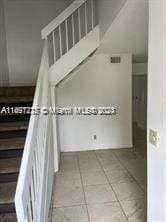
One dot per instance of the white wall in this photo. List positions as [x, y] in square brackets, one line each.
[128, 31]
[107, 11]
[24, 21]
[157, 111]
[97, 83]
[4, 72]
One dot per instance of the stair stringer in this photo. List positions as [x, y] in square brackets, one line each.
[76, 55]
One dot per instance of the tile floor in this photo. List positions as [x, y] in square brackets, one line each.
[101, 186]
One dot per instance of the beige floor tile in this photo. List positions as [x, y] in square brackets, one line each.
[94, 178]
[128, 191]
[119, 176]
[86, 154]
[69, 163]
[107, 212]
[122, 151]
[127, 155]
[99, 194]
[135, 210]
[143, 184]
[139, 173]
[69, 167]
[68, 196]
[87, 165]
[105, 155]
[70, 214]
[68, 179]
[134, 163]
[111, 165]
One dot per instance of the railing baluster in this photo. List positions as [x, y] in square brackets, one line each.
[33, 198]
[60, 40]
[29, 212]
[67, 38]
[29, 216]
[54, 51]
[86, 22]
[73, 29]
[92, 13]
[79, 23]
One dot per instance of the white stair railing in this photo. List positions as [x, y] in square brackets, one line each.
[66, 30]
[73, 32]
[34, 188]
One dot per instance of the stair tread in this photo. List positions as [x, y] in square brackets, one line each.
[7, 192]
[10, 165]
[11, 126]
[11, 217]
[12, 143]
[16, 99]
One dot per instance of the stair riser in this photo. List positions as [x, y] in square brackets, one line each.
[7, 208]
[15, 104]
[14, 118]
[13, 134]
[8, 177]
[11, 153]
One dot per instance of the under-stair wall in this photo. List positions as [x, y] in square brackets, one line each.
[97, 83]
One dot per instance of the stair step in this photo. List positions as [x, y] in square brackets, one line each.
[17, 91]
[7, 193]
[10, 165]
[13, 126]
[12, 144]
[8, 217]
[16, 99]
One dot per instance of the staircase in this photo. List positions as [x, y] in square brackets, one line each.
[69, 40]
[13, 128]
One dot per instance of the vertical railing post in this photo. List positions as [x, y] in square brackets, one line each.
[67, 38]
[60, 40]
[79, 23]
[92, 13]
[86, 22]
[54, 51]
[73, 29]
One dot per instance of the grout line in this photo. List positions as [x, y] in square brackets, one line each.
[77, 205]
[132, 176]
[112, 188]
[83, 187]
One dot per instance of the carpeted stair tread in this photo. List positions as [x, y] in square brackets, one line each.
[7, 192]
[13, 126]
[10, 165]
[16, 99]
[11, 217]
[12, 143]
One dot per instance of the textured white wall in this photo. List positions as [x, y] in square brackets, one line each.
[107, 11]
[24, 21]
[97, 83]
[4, 72]
[128, 31]
[157, 111]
